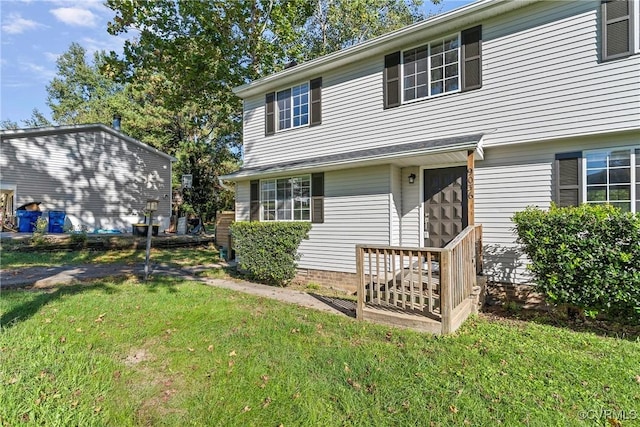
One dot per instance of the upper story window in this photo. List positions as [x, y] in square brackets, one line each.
[448, 65]
[432, 69]
[294, 107]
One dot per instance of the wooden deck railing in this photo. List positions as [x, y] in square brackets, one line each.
[431, 282]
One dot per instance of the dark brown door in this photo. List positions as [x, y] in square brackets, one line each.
[445, 205]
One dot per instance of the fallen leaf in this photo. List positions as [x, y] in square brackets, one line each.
[97, 409]
[191, 349]
[295, 396]
[295, 330]
[47, 320]
[246, 409]
[231, 363]
[74, 403]
[266, 402]
[210, 348]
[354, 384]
[614, 422]
[347, 368]
[13, 380]
[453, 409]
[79, 330]
[63, 339]
[233, 353]
[638, 379]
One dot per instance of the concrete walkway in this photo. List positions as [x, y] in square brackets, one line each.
[49, 277]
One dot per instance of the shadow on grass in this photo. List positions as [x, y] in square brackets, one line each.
[41, 298]
[603, 328]
[345, 306]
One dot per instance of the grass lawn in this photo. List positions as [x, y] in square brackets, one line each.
[201, 255]
[178, 353]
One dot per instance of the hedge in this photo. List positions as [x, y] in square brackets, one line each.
[268, 250]
[586, 256]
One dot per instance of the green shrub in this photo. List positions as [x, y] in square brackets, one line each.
[586, 256]
[40, 231]
[268, 250]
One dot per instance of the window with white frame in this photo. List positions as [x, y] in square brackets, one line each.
[286, 199]
[613, 176]
[432, 69]
[293, 107]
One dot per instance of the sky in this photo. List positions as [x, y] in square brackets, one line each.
[34, 33]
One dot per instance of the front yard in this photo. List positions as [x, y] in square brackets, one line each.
[180, 353]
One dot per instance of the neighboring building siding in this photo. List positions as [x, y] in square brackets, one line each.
[542, 79]
[512, 178]
[98, 179]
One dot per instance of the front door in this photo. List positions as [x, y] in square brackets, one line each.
[445, 205]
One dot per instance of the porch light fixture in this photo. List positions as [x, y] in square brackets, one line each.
[412, 178]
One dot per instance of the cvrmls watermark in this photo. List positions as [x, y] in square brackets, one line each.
[616, 414]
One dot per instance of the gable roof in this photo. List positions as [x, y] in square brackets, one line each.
[431, 27]
[59, 130]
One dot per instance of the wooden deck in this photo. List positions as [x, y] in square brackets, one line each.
[428, 289]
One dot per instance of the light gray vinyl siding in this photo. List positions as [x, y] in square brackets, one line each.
[395, 206]
[356, 210]
[243, 202]
[542, 80]
[512, 178]
[411, 199]
[99, 179]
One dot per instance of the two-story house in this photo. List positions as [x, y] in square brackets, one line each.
[464, 118]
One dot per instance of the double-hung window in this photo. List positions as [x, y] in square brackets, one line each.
[286, 199]
[432, 69]
[293, 107]
[613, 176]
[447, 65]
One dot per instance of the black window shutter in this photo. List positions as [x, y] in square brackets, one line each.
[254, 214]
[316, 101]
[317, 197]
[391, 77]
[472, 58]
[616, 28]
[270, 114]
[568, 179]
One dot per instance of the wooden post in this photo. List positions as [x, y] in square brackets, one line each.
[445, 289]
[361, 288]
[471, 209]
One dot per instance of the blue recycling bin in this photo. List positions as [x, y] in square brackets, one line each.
[27, 220]
[56, 221]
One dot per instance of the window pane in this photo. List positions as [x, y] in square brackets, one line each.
[619, 158]
[451, 84]
[451, 57]
[410, 81]
[620, 176]
[451, 70]
[437, 48]
[620, 192]
[436, 74]
[452, 43]
[596, 160]
[436, 88]
[597, 194]
[436, 61]
[596, 176]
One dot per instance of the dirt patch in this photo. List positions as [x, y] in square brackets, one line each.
[136, 356]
